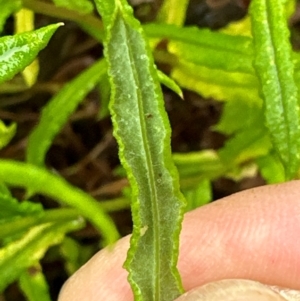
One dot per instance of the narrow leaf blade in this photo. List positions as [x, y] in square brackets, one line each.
[275, 69]
[58, 110]
[18, 51]
[143, 133]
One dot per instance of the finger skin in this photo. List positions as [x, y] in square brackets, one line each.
[253, 235]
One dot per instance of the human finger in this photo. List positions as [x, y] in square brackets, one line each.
[252, 235]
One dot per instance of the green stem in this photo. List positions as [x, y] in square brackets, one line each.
[89, 23]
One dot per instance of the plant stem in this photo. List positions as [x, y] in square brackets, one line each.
[89, 23]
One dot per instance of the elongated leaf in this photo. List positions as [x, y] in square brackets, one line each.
[143, 133]
[18, 51]
[275, 69]
[206, 48]
[219, 84]
[58, 110]
[39, 180]
[21, 254]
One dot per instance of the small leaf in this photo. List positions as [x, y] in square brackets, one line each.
[18, 51]
[6, 133]
[34, 285]
[275, 70]
[56, 113]
[143, 134]
[19, 255]
[169, 83]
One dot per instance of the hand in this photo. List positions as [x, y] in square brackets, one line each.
[253, 235]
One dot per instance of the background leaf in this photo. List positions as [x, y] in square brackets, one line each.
[18, 51]
[56, 113]
[34, 284]
[38, 180]
[19, 255]
[275, 70]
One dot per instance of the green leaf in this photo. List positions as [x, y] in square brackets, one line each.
[194, 167]
[219, 84]
[82, 6]
[205, 47]
[39, 180]
[18, 51]
[6, 133]
[7, 8]
[27, 251]
[169, 83]
[56, 113]
[239, 114]
[14, 226]
[275, 70]
[34, 284]
[143, 134]
[245, 145]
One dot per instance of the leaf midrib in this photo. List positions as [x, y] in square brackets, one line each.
[149, 160]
